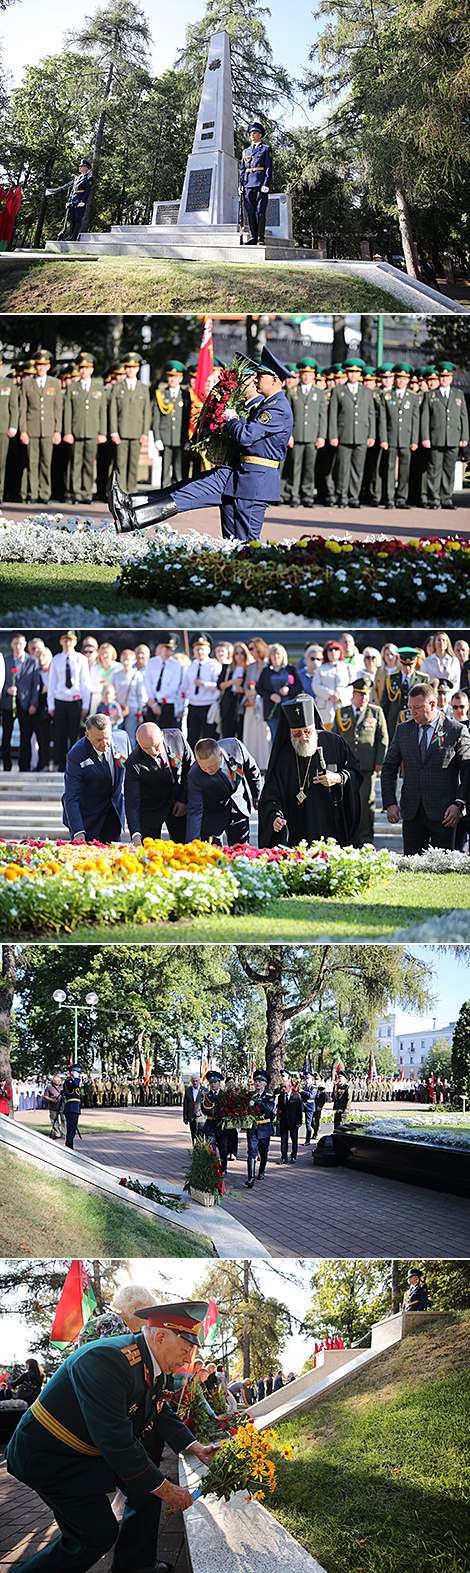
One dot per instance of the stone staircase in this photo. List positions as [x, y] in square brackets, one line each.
[181, 243]
[30, 806]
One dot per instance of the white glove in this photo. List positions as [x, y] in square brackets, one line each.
[230, 415]
[265, 189]
[80, 204]
[159, 445]
[240, 191]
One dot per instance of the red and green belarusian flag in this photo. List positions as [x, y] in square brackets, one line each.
[75, 1307]
[209, 1327]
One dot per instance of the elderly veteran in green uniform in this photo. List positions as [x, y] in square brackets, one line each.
[397, 688]
[309, 409]
[351, 430]
[85, 425]
[170, 422]
[82, 1439]
[40, 425]
[364, 727]
[8, 420]
[399, 434]
[129, 421]
[444, 431]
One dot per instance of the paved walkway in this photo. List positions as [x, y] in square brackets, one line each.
[27, 1525]
[298, 1210]
[364, 524]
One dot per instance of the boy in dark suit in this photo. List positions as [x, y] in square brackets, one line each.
[221, 787]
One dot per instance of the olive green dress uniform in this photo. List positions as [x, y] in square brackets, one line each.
[351, 418]
[399, 426]
[366, 733]
[394, 698]
[444, 421]
[375, 467]
[8, 418]
[85, 419]
[40, 416]
[310, 421]
[170, 425]
[325, 465]
[129, 415]
[81, 1439]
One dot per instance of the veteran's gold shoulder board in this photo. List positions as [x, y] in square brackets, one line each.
[132, 1354]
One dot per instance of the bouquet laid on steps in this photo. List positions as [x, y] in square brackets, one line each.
[211, 437]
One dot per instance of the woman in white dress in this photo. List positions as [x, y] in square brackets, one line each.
[256, 733]
[331, 683]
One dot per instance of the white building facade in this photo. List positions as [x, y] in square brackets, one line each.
[410, 1038]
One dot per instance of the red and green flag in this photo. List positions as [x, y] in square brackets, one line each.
[209, 1327]
[75, 1307]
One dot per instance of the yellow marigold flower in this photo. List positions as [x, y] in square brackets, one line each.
[333, 546]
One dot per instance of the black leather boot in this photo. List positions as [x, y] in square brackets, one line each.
[262, 1165]
[251, 1173]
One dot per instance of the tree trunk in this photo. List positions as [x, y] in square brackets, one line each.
[96, 1284]
[395, 1286]
[98, 145]
[246, 1320]
[275, 1018]
[405, 227]
[339, 341]
[7, 990]
[367, 330]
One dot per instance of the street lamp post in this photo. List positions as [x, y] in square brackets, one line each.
[61, 1000]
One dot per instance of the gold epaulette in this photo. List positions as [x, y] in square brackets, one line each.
[132, 1354]
[393, 693]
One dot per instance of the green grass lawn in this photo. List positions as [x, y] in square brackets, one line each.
[116, 284]
[404, 899]
[47, 585]
[381, 1474]
[42, 1216]
[87, 1127]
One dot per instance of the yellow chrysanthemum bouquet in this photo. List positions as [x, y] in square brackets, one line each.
[243, 1463]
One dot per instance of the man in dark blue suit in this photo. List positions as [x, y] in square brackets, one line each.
[256, 171]
[242, 491]
[221, 785]
[20, 697]
[93, 800]
[156, 783]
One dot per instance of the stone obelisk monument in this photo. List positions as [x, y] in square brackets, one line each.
[211, 181]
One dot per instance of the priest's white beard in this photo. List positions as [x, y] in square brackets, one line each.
[305, 749]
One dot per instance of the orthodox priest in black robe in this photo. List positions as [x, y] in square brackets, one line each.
[312, 782]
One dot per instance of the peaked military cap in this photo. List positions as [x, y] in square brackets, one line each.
[169, 641]
[361, 685]
[261, 1075]
[354, 363]
[445, 365]
[299, 712]
[201, 638]
[85, 161]
[85, 359]
[256, 126]
[291, 366]
[402, 367]
[369, 374]
[186, 1317]
[42, 358]
[444, 685]
[214, 1076]
[174, 365]
[132, 358]
[386, 366]
[408, 652]
[307, 364]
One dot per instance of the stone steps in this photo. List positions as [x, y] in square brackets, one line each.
[187, 247]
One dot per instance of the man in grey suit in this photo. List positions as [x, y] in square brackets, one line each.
[435, 754]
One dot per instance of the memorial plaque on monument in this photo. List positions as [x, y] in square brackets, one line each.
[273, 212]
[199, 190]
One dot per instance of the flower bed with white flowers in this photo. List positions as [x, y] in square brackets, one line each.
[434, 861]
[57, 885]
[410, 1130]
[52, 538]
[332, 579]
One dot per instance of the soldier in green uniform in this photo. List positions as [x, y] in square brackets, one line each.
[85, 426]
[40, 425]
[82, 1438]
[291, 383]
[170, 422]
[399, 434]
[326, 456]
[351, 430]
[444, 431]
[364, 727]
[397, 688]
[8, 420]
[372, 482]
[309, 409]
[129, 421]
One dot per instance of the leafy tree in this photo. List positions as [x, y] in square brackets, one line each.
[360, 981]
[347, 1297]
[448, 1284]
[253, 1327]
[319, 1036]
[461, 1052]
[439, 1060]
[258, 85]
[118, 37]
[50, 118]
[7, 990]
[34, 1295]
